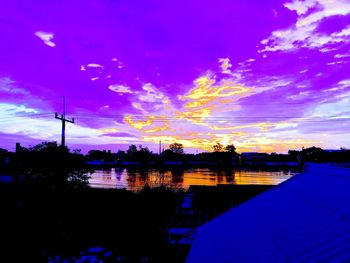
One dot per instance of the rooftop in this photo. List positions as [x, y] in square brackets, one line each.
[304, 219]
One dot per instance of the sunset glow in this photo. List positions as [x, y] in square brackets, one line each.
[262, 75]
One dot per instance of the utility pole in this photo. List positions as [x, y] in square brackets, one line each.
[64, 120]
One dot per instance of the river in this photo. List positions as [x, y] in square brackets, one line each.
[135, 179]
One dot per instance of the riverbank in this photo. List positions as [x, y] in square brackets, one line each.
[41, 223]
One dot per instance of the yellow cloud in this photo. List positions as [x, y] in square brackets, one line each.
[206, 118]
[196, 116]
[264, 144]
[263, 126]
[197, 103]
[109, 130]
[208, 98]
[158, 129]
[205, 89]
[199, 143]
[137, 106]
[139, 124]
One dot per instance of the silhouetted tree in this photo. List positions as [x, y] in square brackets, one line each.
[144, 154]
[140, 154]
[132, 150]
[176, 148]
[54, 165]
[106, 156]
[218, 147]
[231, 149]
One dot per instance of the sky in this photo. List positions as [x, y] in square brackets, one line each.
[266, 76]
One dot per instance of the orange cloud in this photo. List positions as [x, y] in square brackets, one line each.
[205, 89]
[139, 124]
[265, 144]
[206, 118]
[158, 129]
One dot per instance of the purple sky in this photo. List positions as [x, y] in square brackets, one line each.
[263, 75]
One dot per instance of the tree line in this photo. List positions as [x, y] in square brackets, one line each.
[55, 165]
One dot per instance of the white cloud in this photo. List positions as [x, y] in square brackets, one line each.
[7, 86]
[301, 7]
[336, 62]
[105, 107]
[345, 83]
[344, 33]
[339, 108]
[120, 88]
[303, 32]
[225, 65]
[18, 120]
[342, 55]
[152, 94]
[46, 37]
[94, 65]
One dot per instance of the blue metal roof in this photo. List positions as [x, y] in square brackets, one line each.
[304, 219]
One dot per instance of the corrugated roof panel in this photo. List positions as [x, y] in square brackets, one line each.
[305, 219]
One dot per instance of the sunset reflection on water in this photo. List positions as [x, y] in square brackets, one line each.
[135, 179]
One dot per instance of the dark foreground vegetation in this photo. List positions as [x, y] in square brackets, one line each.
[49, 213]
[40, 224]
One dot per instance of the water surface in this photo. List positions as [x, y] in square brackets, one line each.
[135, 179]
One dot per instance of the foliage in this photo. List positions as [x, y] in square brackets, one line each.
[140, 153]
[95, 155]
[132, 150]
[231, 149]
[53, 165]
[218, 147]
[176, 148]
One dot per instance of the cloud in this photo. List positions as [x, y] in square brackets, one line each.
[342, 55]
[266, 144]
[225, 65]
[304, 32]
[151, 94]
[208, 89]
[301, 7]
[123, 135]
[26, 122]
[7, 86]
[210, 96]
[46, 37]
[120, 88]
[139, 124]
[94, 65]
[212, 111]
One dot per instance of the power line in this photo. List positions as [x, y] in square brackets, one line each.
[158, 119]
